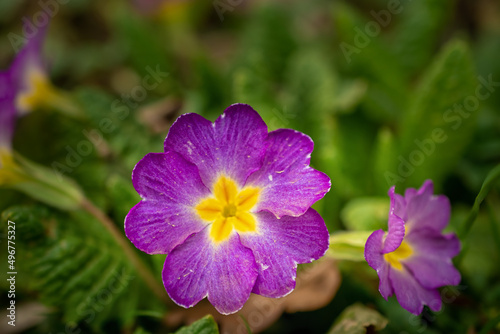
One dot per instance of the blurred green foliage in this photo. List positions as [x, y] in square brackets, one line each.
[376, 89]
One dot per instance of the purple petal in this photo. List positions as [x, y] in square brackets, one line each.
[431, 264]
[156, 227]
[169, 186]
[432, 272]
[398, 204]
[289, 185]
[7, 110]
[234, 145]
[282, 243]
[395, 234]
[410, 294]
[375, 259]
[198, 268]
[434, 243]
[29, 59]
[169, 178]
[424, 210]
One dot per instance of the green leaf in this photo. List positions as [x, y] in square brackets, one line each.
[367, 55]
[141, 41]
[110, 133]
[358, 319]
[366, 213]
[251, 86]
[346, 158]
[384, 159]
[415, 38]
[434, 135]
[348, 245]
[40, 183]
[309, 103]
[312, 84]
[372, 57]
[75, 266]
[267, 41]
[206, 325]
[122, 194]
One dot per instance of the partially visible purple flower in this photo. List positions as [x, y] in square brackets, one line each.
[15, 87]
[28, 74]
[23, 87]
[413, 258]
[230, 205]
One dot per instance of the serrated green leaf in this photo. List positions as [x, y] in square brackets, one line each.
[27, 222]
[206, 325]
[356, 319]
[74, 266]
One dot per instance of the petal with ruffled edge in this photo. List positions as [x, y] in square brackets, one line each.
[289, 186]
[410, 294]
[233, 145]
[199, 268]
[425, 210]
[280, 244]
[375, 259]
[431, 263]
[170, 187]
[396, 230]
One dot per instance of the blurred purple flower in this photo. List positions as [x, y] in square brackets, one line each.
[413, 258]
[230, 204]
[17, 86]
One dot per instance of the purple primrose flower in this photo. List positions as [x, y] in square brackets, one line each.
[17, 85]
[413, 258]
[230, 204]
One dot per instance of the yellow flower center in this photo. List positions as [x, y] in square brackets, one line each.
[229, 209]
[38, 94]
[402, 252]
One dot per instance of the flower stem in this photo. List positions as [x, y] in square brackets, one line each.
[488, 183]
[494, 224]
[141, 268]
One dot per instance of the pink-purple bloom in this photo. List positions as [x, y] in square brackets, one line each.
[16, 84]
[413, 259]
[230, 204]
